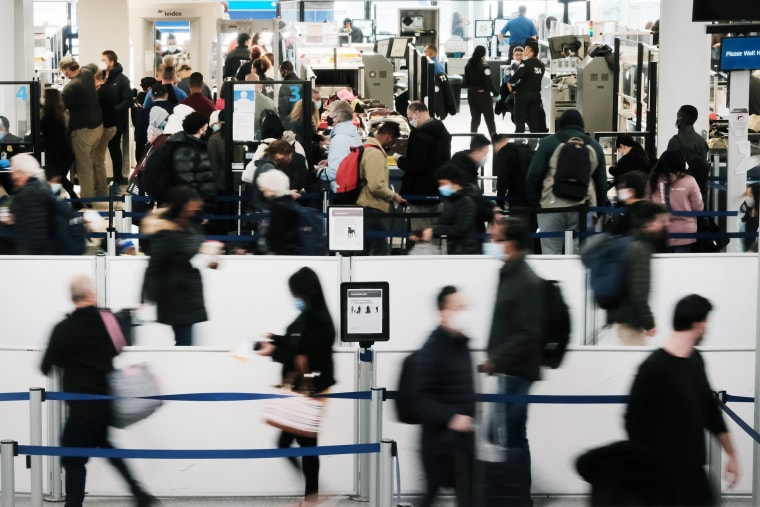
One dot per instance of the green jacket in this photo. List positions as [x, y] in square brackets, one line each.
[633, 309]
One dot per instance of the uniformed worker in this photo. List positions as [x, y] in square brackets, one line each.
[526, 84]
[480, 90]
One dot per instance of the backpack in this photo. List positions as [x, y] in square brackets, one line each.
[69, 234]
[405, 398]
[556, 333]
[604, 257]
[571, 161]
[348, 181]
[312, 239]
[157, 168]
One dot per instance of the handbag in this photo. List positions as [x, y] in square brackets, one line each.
[707, 225]
[130, 385]
[296, 412]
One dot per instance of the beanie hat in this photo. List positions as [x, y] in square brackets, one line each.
[193, 122]
[275, 181]
[571, 117]
[625, 140]
[452, 173]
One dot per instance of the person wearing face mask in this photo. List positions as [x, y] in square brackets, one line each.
[514, 348]
[305, 349]
[480, 90]
[473, 160]
[444, 394]
[631, 192]
[171, 46]
[458, 221]
[631, 157]
[525, 83]
[343, 137]
[750, 216]
[428, 149]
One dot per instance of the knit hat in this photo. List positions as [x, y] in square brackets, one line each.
[147, 82]
[174, 123]
[625, 140]
[275, 181]
[571, 117]
[193, 122]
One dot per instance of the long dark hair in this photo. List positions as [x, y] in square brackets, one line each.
[477, 55]
[671, 163]
[177, 198]
[637, 151]
[54, 105]
[305, 284]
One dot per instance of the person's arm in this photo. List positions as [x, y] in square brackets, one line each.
[731, 468]
[179, 93]
[641, 406]
[539, 164]
[514, 80]
[429, 408]
[376, 174]
[125, 95]
[695, 196]
[674, 144]
[52, 352]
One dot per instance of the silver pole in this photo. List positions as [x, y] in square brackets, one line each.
[375, 435]
[36, 397]
[55, 423]
[756, 446]
[111, 243]
[118, 220]
[365, 380]
[385, 479]
[127, 209]
[568, 242]
[714, 463]
[8, 450]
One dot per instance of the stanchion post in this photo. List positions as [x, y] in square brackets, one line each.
[385, 479]
[127, 212]
[54, 425]
[8, 451]
[375, 435]
[365, 381]
[568, 242]
[755, 445]
[714, 465]
[36, 397]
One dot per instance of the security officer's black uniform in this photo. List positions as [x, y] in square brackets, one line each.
[526, 83]
[480, 90]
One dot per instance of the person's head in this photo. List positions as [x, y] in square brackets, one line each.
[184, 203]
[184, 70]
[690, 315]
[69, 67]
[451, 179]
[159, 92]
[478, 53]
[99, 77]
[387, 133]
[271, 126]
[273, 183]
[651, 220]
[499, 141]
[82, 290]
[517, 53]
[530, 48]
[215, 120]
[452, 310]
[571, 118]
[242, 39]
[286, 69]
[479, 145]
[686, 115]
[625, 143]
[431, 51]
[168, 75]
[510, 239]
[304, 284]
[280, 153]
[158, 47]
[261, 65]
[255, 52]
[5, 125]
[147, 83]
[632, 186]
[109, 58]
[340, 111]
[417, 113]
[347, 23]
[195, 124]
[671, 164]
[521, 10]
[171, 42]
[25, 167]
[53, 105]
[195, 83]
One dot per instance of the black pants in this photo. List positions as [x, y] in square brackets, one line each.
[529, 109]
[310, 463]
[183, 334]
[114, 149]
[481, 103]
[448, 466]
[376, 227]
[90, 430]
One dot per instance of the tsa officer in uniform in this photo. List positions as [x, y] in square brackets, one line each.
[526, 84]
[480, 90]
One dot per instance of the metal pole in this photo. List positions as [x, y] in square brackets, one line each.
[36, 397]
[8, 450]
[55, 423]
[365, 380]
[756, 446]
[385, 476]
[375, 434]
[118, 221]
[127, 211]
[568, 242]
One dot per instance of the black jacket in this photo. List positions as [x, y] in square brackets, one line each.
[464, 161]
[282, 234]
[510, 166]
[477, 76]
[629, 163]
[171, 281]
[237, 56]
[428, 148]
[120, 82]
[191, 166]
[81, 346]
[514, 343]
[311, 334]
[108, 98]
[284, 99]
[32, 209]
[458, 223]
[633, 309]
[58, 153]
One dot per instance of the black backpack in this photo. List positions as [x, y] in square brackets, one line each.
[405, 398]
[69, 234]
[573, 169]
[556, 334]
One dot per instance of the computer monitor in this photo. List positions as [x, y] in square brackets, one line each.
[399, 47]
[483, 28]
[383, 47]
[367, 26]
[565, 46]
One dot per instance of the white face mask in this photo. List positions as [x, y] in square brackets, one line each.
[495, 251]
[624, 194]
[102, 65]
[55, 187]
[750, 202]
[460, 320]
[172, 47]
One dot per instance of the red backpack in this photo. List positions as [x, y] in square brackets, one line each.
[348, 181]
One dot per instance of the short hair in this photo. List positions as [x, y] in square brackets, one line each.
[444, 294]
[518, 48]
[453, 173]
[279, 147]
[168, 73]
[68, 63]
[342, 110]
[286, 66]
[171, 37]
[689, 114]
[432, 48]
[497, 138]
[196, 80]
[514, 229]
[111, 55]
[533, 45]
[5, 122]
[417, 106]
[275, 181]
[81, 286]
[242, 38]
[644, 213]
[636, 181]
[194, 122]
[478, 141]
[389, 128]
[690, 310]
[159, 90]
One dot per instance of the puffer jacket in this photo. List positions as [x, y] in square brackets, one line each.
[633, 309]
[191, 165]
[32, 208]
[458, 223]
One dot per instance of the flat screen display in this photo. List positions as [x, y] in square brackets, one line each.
[725, 10]
[364, 308]
[740, 53]
[399, 47]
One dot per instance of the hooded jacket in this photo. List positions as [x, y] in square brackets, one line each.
[343, 137]
[428, 148]
[191, 165]
[120, 82]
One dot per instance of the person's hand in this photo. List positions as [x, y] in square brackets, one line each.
[266, 348]
[295, 194]
[461, 423]
[213, 265]
[427, 234]
[396, 156]
[322, 163]
[487, 367]
[651, 332]
[731, 471]
[397, 198]
[414, 237]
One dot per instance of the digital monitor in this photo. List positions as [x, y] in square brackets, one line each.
[740, 53]
[565, 46]
[367, 26]
[498, 24]
[483, 28]
[364, 312]
[383, 47]
[399, 47]
[727, 10]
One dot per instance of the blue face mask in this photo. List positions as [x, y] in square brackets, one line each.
[299, 304]
[446, 190]
[216, 127]
[494, 251]
[2, 134]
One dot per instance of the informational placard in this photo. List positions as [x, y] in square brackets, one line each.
[345, 228]
[243, 112]
[740, 53]
[364, 311]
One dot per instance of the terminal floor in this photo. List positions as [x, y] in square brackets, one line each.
[342, 501]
